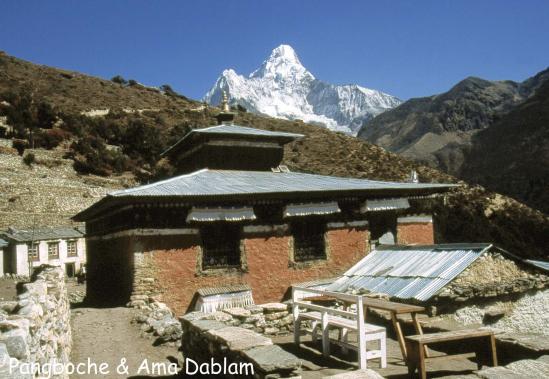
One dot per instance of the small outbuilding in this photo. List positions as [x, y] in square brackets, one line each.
[473, 283]
[32, 247]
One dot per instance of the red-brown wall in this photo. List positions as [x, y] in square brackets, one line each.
[270, 271]
[415, 233]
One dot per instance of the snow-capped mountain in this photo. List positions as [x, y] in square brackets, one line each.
[282, 87]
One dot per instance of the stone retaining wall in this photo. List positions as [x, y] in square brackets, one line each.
[241, 352]
[36, 327]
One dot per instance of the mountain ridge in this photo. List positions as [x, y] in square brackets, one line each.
[282, 87]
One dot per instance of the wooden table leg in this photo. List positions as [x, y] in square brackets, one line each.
[422, 368]
[419, 330]
[493, 350]
[400, 337]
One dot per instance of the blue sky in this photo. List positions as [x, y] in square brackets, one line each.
[405, 48]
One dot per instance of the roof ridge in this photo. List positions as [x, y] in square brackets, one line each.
[145, 186]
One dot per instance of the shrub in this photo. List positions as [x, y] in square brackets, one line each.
[51, 138]
[20, 145]
[132, 82]
[29, 159]
[119, 79]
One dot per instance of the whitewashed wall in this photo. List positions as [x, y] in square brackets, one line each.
[20, 261]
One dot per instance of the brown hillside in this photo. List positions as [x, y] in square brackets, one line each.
[471, 214]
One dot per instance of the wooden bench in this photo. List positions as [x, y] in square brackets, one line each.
[415, 347]
[325, 318]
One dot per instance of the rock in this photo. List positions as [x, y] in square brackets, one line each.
[139, 297]
[255, 309]
[219, 316]
[253, 318]
[272, 358]
[529, 367]
[275, 315]
[238, 312]
[16, 343]
[8, 306]
[500, 373]
[274, 307]
[358, 374]
[192, 316]
[270, 330]
[206, 325]
[239, 339]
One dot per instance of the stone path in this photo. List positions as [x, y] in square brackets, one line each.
[105, 335]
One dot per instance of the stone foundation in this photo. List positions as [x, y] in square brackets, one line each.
[245, 353]
[36, 327]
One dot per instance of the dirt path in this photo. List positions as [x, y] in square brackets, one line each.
[105, 335]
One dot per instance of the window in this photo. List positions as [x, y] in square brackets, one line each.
[220, 247]
[309, 241]
[71, 249]
[53, 250]
[33, 251]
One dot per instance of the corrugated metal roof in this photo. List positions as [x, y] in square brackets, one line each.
[221, 214]
[409, 272]
[236, 131]
[295, 210]
[3, 243]
[315, 283]
[207, 182]
[385, 204]
[243, 130]
[209, 291]
[539, 264]
[40, 234]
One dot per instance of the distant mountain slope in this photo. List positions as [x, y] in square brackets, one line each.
[469, 214]
[512, 155]
[442, 130]
[437, 129]
[281, 87]
[75, 92]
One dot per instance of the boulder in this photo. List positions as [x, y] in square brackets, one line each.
[238, 312]
[274, 307]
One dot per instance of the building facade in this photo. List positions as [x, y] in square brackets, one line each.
[30, 248]
[235, 216]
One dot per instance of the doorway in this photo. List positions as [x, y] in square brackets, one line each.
[70, 270]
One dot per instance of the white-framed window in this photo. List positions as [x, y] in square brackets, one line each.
[53, 250]
[72, 249]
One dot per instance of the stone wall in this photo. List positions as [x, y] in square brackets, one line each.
[269, 319]
[529, 314]
[36, 327]
[244, 353]
[490, 277]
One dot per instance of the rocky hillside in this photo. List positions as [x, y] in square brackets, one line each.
[468, 214]
[512, 155]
